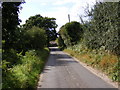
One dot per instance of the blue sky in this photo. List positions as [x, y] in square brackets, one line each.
[58, 9]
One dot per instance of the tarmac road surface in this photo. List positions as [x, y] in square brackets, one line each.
[62, 71]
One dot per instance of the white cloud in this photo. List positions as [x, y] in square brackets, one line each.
[43, 4]
[61, 2]
[55, 8]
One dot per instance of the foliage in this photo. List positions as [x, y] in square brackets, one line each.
[11, 56]
[35, 38]
[102, 30]
[46, 23]
[60, 43]
[10, 21]
[11, 34]
[71, 33]
[106, 62]
[26, 73]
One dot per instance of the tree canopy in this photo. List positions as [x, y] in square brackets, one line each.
[10, 21]
[71, 33]
[46, 23]
[35, 38]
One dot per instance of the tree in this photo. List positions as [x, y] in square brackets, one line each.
[46, 23]
[35, 38]
[10, 21]
[71, 33]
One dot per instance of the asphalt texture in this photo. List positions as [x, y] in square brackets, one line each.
[62, 71]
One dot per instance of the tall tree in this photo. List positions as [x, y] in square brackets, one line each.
[46, 23]
[10, 21]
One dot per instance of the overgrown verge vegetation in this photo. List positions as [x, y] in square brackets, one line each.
[98, 42]
[101, 60]
[26, 73]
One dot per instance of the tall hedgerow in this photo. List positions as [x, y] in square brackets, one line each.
[103, 29]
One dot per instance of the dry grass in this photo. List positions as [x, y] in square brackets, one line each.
[106, 62]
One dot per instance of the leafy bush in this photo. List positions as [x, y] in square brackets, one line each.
[60, 43]
[25, 74]
[11, 56]
[71, 33]
[35, 38]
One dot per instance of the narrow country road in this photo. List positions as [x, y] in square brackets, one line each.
[62, 71]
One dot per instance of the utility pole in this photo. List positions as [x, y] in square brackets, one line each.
[69, 17]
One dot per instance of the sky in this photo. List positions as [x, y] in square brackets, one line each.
[58, 9]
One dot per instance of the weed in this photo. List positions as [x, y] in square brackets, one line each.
[25, 74]
[100, 59]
